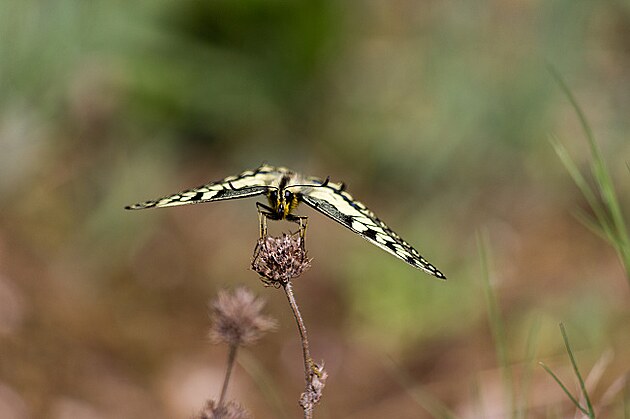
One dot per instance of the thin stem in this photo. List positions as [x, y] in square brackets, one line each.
[532, 340]
[497, 327]
[308, 361]
[591, 412]
[564, 388]
[228, 373]
[613, 222]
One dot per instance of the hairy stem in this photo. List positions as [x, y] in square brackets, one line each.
[308, 361]
[228, 373]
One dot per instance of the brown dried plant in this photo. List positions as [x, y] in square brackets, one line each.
[237, 320]
[279, 260]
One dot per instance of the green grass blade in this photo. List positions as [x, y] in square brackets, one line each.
[589, 223]
[585, 125]
[584, 187]
[591, 412]
[532, 348]
[619, 238]
[563, 387]
[497, 327]
[615, 226]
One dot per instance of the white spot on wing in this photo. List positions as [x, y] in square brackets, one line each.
[359, 226]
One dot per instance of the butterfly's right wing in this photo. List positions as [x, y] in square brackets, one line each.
[333, 201]
[248, 183]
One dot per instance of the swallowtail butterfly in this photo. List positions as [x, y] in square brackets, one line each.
[285, 190]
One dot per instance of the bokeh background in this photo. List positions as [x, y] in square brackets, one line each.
[436, 114]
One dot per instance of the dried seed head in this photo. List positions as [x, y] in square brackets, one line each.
[280, 259]
[313, 394]
[230, 410]
[237, 318]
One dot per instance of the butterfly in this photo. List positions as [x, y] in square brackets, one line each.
[285, 190]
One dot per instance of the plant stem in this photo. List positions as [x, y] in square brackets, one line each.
[590, 412]
[497, 328]
[308, 361]
[228, 373]
[608, 213]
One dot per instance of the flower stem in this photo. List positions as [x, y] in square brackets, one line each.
[308, 361]
[228, 373]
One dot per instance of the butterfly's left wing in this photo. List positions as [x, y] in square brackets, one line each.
[248, 183]
[331, 200]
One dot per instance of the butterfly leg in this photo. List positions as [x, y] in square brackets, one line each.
[302, 221]
[264, 212]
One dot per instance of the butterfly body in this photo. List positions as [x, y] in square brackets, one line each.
[285, 190]
[282, 199]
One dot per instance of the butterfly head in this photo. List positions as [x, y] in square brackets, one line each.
[283, 202]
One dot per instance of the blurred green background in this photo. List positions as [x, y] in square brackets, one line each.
[436, 114]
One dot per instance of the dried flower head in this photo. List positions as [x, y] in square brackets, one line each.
[313, 394]
[237, 318]
[280, 259]
[229, 410]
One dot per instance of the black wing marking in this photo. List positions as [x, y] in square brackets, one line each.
[331, 200]
[248, 183]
